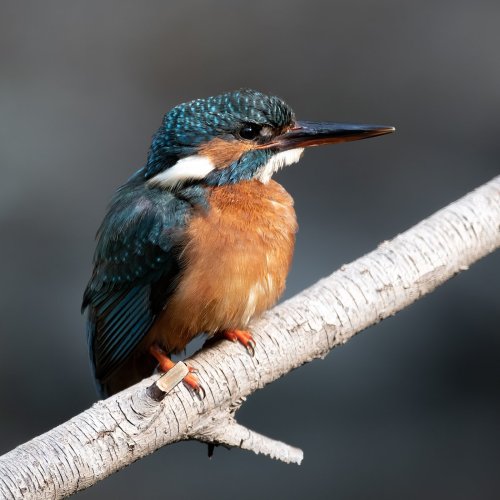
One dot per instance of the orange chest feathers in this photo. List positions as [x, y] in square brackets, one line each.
[238, 255]
[235, 260]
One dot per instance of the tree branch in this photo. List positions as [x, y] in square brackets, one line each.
[116, 432]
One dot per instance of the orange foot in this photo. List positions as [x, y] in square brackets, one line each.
[243, 337]
[166, 364]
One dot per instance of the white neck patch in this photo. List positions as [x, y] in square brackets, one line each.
[189, 168]
[277, 162]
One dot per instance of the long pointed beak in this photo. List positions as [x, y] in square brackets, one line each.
[305, 134]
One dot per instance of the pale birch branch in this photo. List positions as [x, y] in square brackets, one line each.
[116, 432]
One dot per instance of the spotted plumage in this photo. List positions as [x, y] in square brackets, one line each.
[199, 240]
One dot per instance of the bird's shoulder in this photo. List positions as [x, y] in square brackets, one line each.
[139, 235]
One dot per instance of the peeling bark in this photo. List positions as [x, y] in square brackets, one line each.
[117, 431]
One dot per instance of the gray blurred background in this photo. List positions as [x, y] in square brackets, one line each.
[409, 409]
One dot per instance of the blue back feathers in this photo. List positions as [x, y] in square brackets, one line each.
[136, 265]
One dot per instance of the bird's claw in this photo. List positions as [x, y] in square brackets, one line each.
[193, 383]
[243, 337]
[250, 347]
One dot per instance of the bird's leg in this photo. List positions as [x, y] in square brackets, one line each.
[165, 364]
[243, 337]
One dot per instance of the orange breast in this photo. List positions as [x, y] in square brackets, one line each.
[236, 259]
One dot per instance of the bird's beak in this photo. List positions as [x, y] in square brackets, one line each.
[305, 134]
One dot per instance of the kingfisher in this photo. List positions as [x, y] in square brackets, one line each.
[200, 239]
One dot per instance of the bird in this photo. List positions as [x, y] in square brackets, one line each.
[200, 239]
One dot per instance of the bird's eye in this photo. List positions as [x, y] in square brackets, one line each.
[250, 131]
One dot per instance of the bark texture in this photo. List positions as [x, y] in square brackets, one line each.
[117, 431]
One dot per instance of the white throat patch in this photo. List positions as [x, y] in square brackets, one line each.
[189, 168]
[277, 162]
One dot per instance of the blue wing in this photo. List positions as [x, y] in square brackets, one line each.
[136, 267]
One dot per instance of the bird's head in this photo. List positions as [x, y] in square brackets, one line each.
[234, 137]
